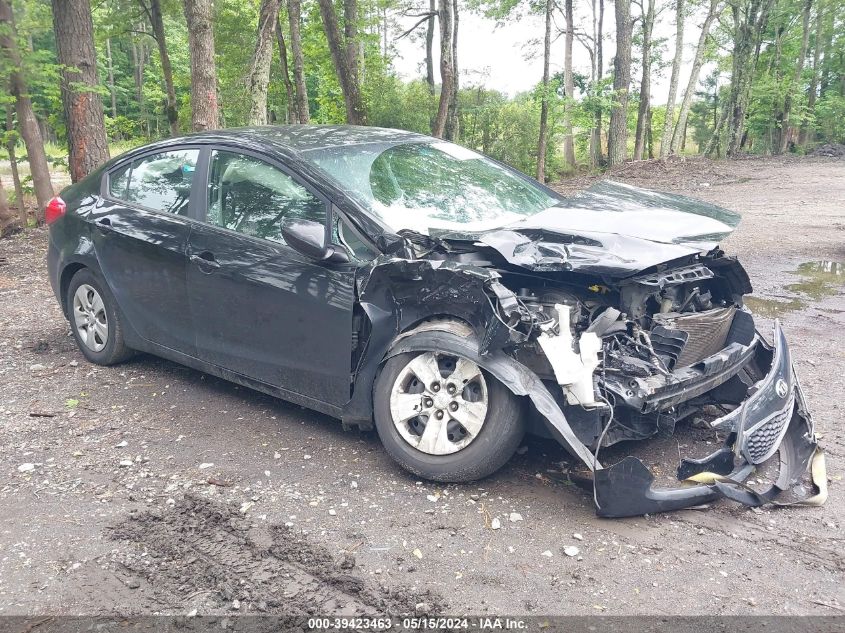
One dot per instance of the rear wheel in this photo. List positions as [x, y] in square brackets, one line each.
[443, 418]
[95, 320]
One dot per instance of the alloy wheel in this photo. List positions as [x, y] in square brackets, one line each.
[89, 314]
[439, 403]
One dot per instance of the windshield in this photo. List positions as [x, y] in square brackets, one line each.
[432, 187]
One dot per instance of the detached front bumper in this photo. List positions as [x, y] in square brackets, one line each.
[773, 417]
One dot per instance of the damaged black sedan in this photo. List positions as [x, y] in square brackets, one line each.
[404, 283]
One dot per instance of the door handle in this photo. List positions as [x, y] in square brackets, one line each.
[104, 225]
[205, 261]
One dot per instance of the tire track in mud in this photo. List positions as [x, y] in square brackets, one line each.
[201, 549]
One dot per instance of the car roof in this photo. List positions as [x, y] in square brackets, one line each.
[295, 139]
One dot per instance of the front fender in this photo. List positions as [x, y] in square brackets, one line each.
[511, 373]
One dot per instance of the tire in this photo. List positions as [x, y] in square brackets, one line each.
[108, 349]
[488, 450]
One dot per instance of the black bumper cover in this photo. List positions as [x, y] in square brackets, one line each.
[774, 417]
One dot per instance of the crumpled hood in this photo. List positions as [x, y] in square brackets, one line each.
[613, 229]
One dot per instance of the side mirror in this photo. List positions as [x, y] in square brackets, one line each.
[309, 238]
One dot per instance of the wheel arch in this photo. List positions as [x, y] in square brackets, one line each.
[434, 323]
[64, 282]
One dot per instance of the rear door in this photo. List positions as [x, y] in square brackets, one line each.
[260, 308]
[140, 236]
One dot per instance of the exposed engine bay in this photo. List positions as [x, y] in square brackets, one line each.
[607, 349]
[622, 347]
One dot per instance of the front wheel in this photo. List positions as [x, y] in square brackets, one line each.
[443, 418]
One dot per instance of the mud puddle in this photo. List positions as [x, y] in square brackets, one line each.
[205, 557]
[817, 280]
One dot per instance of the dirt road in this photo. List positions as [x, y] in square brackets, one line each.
[151, 488]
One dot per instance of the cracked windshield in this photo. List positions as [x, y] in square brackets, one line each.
[434, 187]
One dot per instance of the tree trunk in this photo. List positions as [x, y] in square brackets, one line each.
[544, 105]
[452, 121]
[292, 116]
[617, 136]
[827, 44]
[386, 26]
[645, 83]
[294, 8]
[649, 134]
[348, 84]
[172, 110]
[110, 67]
[350, 34]
[568, 86]
[138, 77]
[11, 141]
[750, 25]
[785, 134]
[698, 62]
[26, 116]
[447, 75]
[205, 114]
[429, 47]
[595, 140]
[7, 216]
[259, 75]
[87, 143]
[807, 133]
[665, 140]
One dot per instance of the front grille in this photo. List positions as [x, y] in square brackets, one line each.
[707, 332]
[761, 442]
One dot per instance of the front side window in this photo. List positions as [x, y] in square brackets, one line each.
[249, 196]
[161, 182]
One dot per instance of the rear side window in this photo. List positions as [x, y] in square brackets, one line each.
[250, 196]
[161, 182]
[118, 182]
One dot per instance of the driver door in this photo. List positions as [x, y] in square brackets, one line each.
[260, 308]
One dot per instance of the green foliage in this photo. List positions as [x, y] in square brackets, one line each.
[504, 127]
[829, 120]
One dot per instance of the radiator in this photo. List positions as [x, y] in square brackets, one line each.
[707, 332]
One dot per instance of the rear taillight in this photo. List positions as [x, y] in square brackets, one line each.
[55, 209]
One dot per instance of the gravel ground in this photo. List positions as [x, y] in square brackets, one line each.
[152, 488]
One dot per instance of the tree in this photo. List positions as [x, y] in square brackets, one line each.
[285, 70]
[139, 59]
[617, 136]
[343, 65]
[204, 110]
[26, 116]
[153, 11]
[294, 18]
[569, 85]
[807, 134]
[665, 140]
[452, 119]
[7, 216]
[785, 135]
[259, 76]
[447, 71]
[429, 45]
[110, 70]
[350, 36]
[11, 138]
[544, 104]
[598, 75]
[83, 107]
[643, 111]
[750, 18]
[695, 71]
